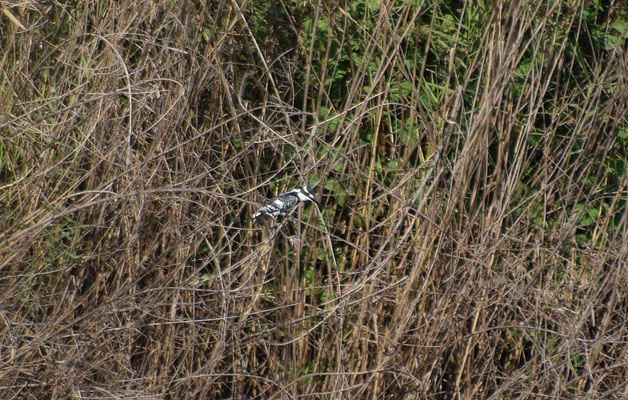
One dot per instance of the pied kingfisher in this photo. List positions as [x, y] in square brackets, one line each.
[280, 205]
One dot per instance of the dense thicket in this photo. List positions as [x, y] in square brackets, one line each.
[470, 157]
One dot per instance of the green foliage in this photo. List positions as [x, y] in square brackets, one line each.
[337, 191]
[605, 38]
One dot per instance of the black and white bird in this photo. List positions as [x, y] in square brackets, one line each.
[281, 204]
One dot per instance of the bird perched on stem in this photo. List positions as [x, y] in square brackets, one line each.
[281, 204]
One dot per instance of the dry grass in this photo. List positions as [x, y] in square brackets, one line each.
[473, 243]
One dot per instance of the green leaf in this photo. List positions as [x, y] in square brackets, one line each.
[330, 185]
[309, 275]
[319, 252]
[307, 26]
[589, 217]
[373, 5]
[339, 192]
[206, 33]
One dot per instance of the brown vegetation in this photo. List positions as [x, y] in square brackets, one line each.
[472, 244]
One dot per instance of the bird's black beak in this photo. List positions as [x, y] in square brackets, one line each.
[320, 207]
